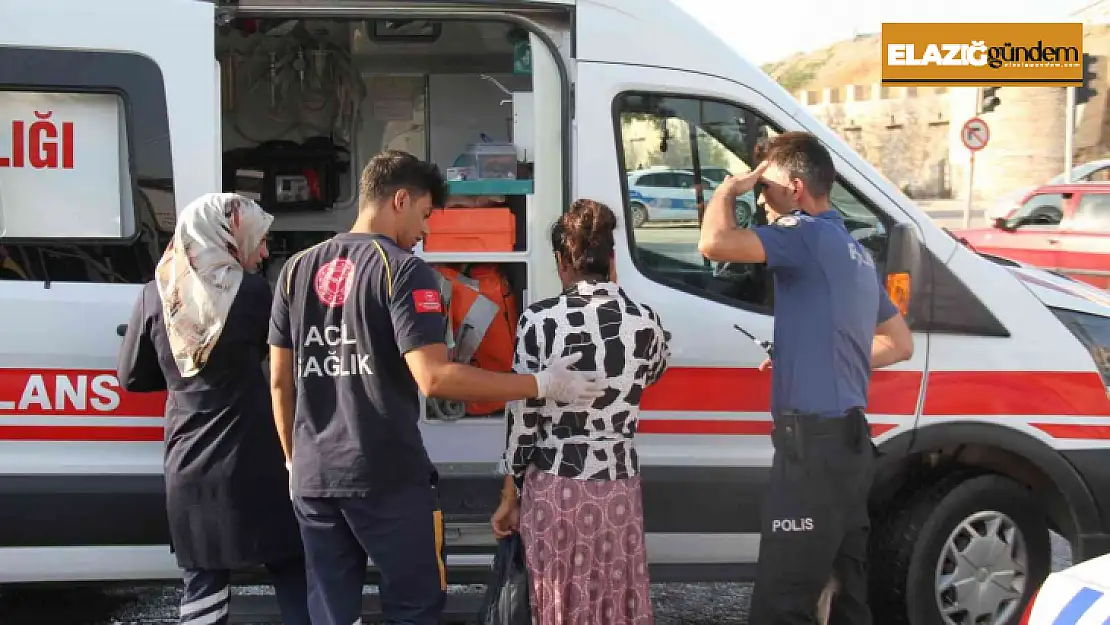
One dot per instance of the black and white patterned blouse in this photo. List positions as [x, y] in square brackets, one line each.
[624, 339]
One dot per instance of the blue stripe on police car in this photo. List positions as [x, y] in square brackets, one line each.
[1078, 606]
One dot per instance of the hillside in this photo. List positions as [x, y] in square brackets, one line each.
[853, 61]
[857, 61]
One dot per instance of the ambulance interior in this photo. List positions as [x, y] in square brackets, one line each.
[305, 104]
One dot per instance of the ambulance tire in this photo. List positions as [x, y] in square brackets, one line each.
[639, 214]
[908, 541]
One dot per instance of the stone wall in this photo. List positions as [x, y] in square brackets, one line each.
[912, 135]
[1026, 141]
[901, 130]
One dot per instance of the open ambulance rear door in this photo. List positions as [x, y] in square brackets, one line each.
[108, 123]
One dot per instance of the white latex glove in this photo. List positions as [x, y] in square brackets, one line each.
[558, 382]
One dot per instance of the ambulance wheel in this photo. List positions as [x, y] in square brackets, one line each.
[966, 549]
[639, 214]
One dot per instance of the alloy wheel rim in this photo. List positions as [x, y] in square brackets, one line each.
[982, 570]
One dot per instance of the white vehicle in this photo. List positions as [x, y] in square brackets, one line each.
[664, 194]
[1076, 595]
[116, 113]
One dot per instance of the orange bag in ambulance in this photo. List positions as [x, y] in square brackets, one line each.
[481, 309]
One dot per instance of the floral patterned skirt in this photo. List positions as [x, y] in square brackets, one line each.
[584, 546]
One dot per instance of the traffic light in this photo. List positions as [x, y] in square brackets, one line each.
[1087, 91]
[990, 101]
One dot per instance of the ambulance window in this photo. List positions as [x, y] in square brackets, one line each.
[86, 172]
[695, 139]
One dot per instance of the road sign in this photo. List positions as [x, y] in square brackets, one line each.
[975, 134]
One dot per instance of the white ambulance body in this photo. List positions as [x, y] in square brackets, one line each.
[116, 113]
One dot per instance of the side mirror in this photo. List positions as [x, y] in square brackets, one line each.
[903, 266]
[1000, 223]
[1045, 215]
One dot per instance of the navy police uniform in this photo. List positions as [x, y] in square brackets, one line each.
[362, 482]
[815, 525]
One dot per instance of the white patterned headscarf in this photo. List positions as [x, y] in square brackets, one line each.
[201, 270]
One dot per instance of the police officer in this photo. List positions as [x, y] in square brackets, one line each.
[833, 324]
[357, 329]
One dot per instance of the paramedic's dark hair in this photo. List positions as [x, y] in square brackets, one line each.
[393, 170]
[583, 237]
[802, 156]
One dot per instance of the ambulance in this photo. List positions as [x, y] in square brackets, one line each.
[116, 113]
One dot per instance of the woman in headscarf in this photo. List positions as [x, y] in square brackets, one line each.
[199, 330]
[572, 482]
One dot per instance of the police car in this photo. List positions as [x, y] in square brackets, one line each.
[665, 194]
[1074, 596]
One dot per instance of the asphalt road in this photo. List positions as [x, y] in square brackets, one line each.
[675, 604]
[685, 604]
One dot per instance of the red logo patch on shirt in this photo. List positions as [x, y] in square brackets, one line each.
[333, 282]
[426, 300]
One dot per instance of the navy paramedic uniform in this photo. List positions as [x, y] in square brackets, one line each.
[362, 482]
[227, 493]
[828, 301]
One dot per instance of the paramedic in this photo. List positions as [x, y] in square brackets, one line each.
[833, 324]
[358, 330]
[199, 330]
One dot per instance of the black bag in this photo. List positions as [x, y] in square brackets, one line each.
[506, 601]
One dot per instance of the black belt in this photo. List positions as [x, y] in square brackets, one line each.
[795, 430]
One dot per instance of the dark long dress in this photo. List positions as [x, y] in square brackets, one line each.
[227, 490]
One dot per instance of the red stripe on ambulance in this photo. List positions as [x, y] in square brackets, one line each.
[972, 393]
[725, 427]
[1061, 393]
[82, 433]
[73, 392]
[722, 389]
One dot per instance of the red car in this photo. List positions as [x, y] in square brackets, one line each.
[1063, 228]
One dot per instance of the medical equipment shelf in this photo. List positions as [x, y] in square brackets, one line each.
[473, 257]
[491, 187]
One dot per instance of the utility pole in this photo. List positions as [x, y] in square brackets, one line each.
[971, 164]
[1069, 133]
[1076, 96]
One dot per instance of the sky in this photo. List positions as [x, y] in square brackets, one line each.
[802, 31]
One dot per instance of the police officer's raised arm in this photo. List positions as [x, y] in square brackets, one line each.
[418, 321]
[779, 245]
[893, 340]
[721, 240]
